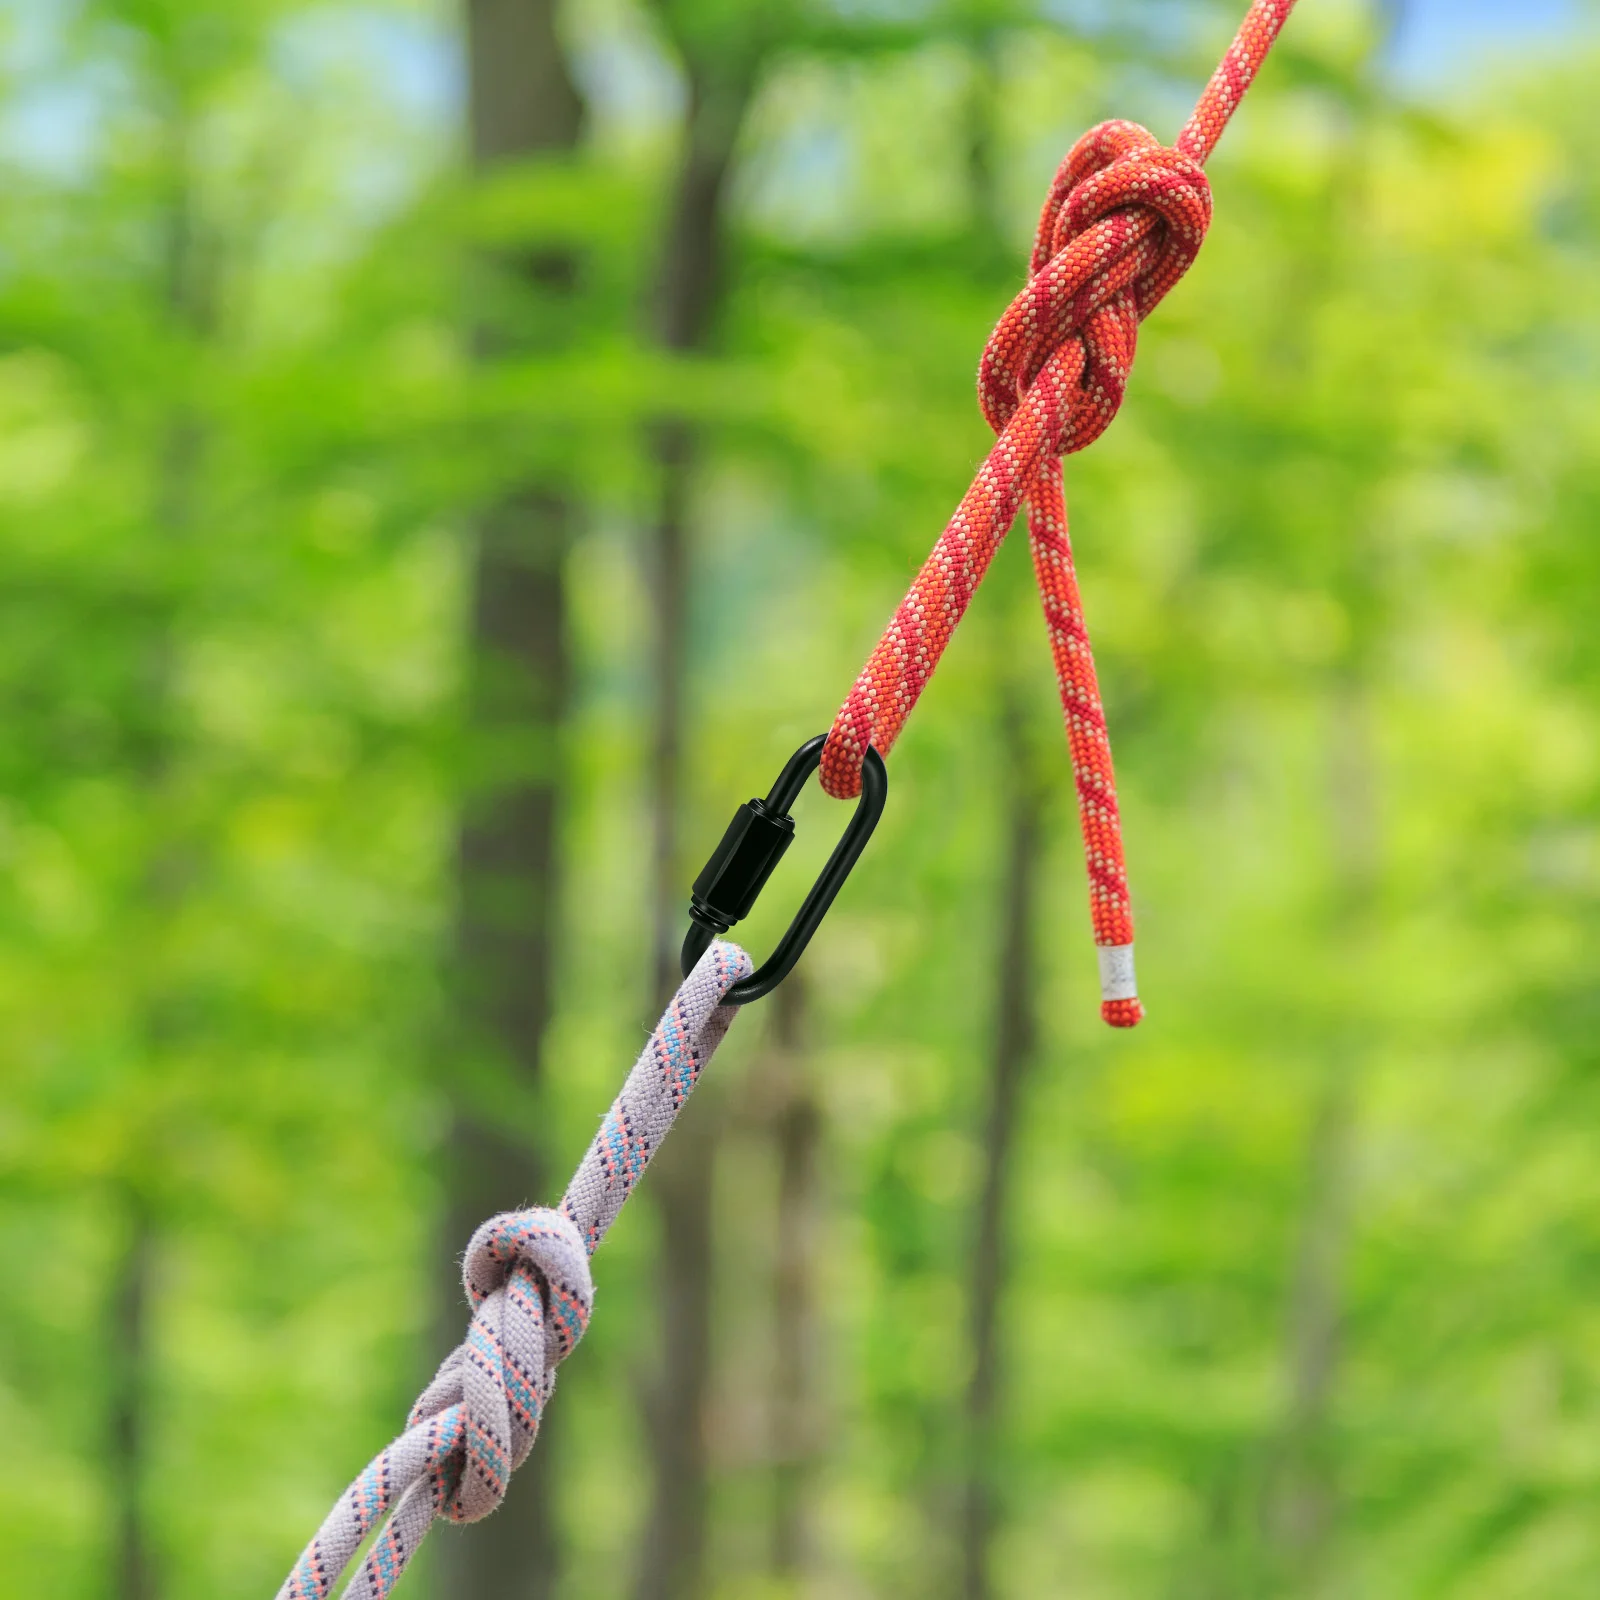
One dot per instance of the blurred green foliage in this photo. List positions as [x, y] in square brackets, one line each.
[1339, 563]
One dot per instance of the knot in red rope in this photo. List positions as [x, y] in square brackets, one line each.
[1123, 222]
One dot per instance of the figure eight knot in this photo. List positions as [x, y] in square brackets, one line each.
[527, 1276]
[1124, 220]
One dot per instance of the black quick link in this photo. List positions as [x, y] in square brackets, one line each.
[732, 880]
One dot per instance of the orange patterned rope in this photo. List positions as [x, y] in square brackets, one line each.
[1124, 219]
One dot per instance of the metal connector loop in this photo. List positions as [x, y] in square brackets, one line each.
[761, 830]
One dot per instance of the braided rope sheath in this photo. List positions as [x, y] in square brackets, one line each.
[527, 1278]
[1124, 220]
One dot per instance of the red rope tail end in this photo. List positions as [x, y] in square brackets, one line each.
[1122, 1013]
[1109, 905]
[1119, 996]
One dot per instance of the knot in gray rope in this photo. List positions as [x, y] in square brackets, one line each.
[527, 1276]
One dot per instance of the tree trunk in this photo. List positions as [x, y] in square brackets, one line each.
[128, 1368]
[673, 447]
[797, 1135]
[188, 286]
[521, 104]
[1014, 1028]
[672, 1546]
[1303, 1486]
[687, 291]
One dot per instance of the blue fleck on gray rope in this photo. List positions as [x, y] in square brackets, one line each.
[527, 1278]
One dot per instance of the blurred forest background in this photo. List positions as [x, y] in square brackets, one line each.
[449, 456]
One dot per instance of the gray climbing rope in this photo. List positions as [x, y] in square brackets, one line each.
[527, 1278]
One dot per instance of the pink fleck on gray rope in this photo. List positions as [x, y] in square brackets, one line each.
[527, 1278]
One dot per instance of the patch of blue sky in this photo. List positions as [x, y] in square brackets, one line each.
[54, 107]
[1438, 42]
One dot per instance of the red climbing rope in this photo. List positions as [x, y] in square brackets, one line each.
[1124, 219]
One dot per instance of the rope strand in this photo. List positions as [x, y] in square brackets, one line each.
[1123, 222]
[527, 1279]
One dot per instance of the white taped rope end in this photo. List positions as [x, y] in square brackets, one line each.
[1116, 972]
